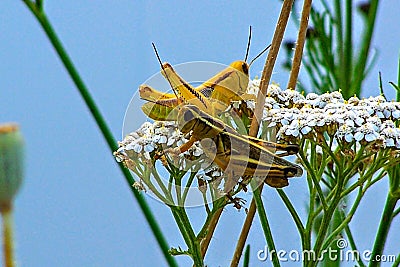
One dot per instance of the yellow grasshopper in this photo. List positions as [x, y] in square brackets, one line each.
[213, 96]
[237, 155]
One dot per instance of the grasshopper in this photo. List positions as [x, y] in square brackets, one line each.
[237, 155]
[213, 96]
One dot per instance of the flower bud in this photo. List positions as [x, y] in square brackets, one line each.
[11, 162]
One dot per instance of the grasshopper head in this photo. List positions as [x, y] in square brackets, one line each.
[187, 118]
[241, 66]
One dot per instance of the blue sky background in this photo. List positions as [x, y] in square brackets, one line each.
[75, 208]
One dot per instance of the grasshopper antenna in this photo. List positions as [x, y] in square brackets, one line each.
[259, 54]
[248, 45]
[163, 69]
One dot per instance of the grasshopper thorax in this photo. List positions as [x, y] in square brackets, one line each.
[202, 125]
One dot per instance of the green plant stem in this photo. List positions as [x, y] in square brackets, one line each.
[188, 234]
[327, 217]
[8, 234]
[188, 185]
[348, 48]
[168, 198]
[246, 258]
[292, 210]
[344, 221]
[359, 69]
[84, 92]
[383, 230]
[396, 263]
[396, 212]
[398, 80]
[315, 180]
[352, 243]
[265, 226]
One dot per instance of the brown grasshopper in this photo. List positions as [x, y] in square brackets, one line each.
[237, 155]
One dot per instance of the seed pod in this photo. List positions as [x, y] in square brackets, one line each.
[11, 162]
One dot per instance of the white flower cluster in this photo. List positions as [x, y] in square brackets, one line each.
[294, 116]
[149, 137]
[360, 120]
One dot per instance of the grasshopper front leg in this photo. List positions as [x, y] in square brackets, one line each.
[183, 148]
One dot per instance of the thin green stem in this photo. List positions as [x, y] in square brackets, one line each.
[246, 258]
[345, 221]
[161, 185]
[178, 190]
[348, 49]
[39, 4]
[265, 226]
[351, 240]
[146, 179]
[217, 205]
[396, 212]
[359, 69]
[292, 210]
[315, 180]
[326, 219]
[359, 182]
[175, 210]
[383, 230]
[396, 263]
[398, 81]
[84, 92]
[188, 185]
[339, 40]
[188, 234]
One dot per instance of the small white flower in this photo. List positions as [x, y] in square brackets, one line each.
[274, 90]
[270, 103]
[353, 100]
[149, 147]
[312, 96]
[282, 131]
[376, 122]
[137, 147]
[294, 129]
[337, 97]
[366, 132]
[175, 135]
[390, 134]
[345, 131]
[251, 104]
[387, 124]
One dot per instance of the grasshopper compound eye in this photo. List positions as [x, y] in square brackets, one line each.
[245, 68]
